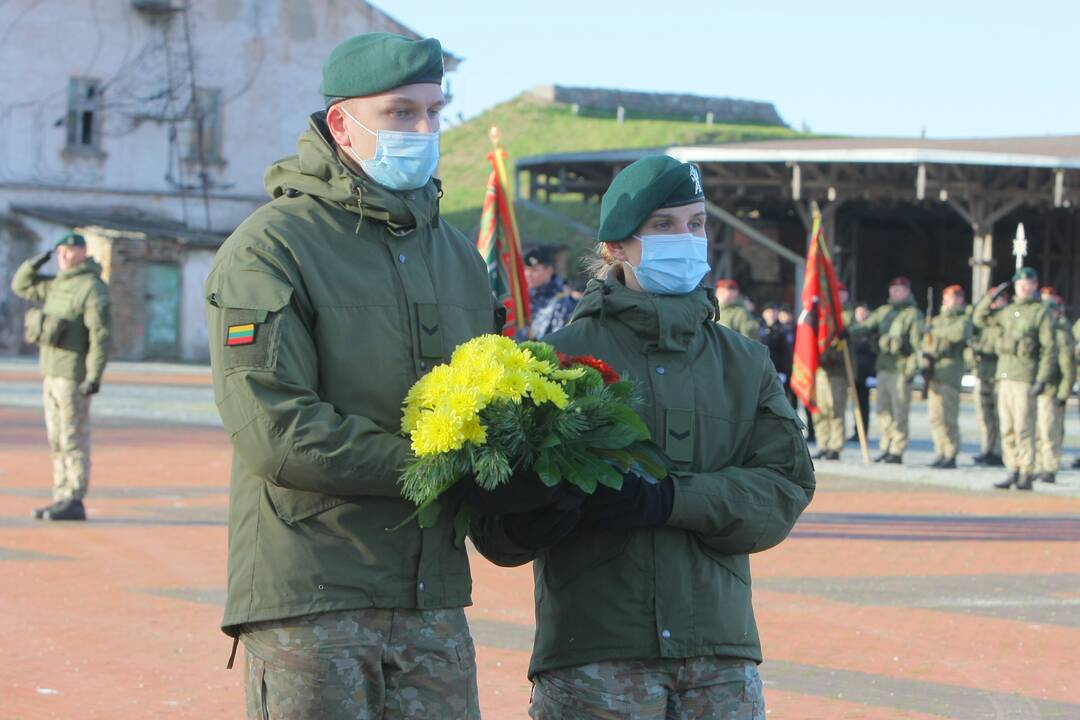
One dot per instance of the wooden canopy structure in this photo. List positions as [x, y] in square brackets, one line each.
[936, 210]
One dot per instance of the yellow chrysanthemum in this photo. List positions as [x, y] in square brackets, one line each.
[542, 391]
[436, 432]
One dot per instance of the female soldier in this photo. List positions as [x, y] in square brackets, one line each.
[645, 610]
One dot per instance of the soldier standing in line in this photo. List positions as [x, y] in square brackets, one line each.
[984, 360]
[943, 357]
[1076, 361]
[831, 394]
[72, 332]
[1050, 405]
[897, 326]
[1026, 358]
[733, 313]
[864, 357]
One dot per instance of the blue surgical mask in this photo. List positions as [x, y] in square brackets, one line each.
[403, 160]
[672, 264]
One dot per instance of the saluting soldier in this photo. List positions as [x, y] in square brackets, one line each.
[897, 327]
[950, 331]
[831, 394]
[71, 331]
[1050, 405]
[983, 346]
[733, 313]
[325, 306]
[1026, 358]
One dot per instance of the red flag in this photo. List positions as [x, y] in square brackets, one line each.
[499, 245]
[821, 317]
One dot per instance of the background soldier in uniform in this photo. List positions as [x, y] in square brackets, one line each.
[831, 394]
[950, 331]
[897, 325]
[72, 332]
[1050, 405]
[984, 361]
[550, 298]
[324, 307]
[733, 313]
[1025, 364]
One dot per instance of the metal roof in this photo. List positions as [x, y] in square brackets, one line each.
[117, 220]
[1062, 151]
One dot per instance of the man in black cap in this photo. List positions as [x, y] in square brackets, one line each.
[72, 332]
[550, 298]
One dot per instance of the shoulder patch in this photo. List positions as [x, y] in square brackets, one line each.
[243, 334]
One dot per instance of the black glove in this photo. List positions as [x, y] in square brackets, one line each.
[89, 387]
[999, 290]
[522, 493]
[639, 504]
[38, 260]
[1036, 389]
[547, 526]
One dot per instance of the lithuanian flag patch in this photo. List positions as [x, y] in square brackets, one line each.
[240, 334]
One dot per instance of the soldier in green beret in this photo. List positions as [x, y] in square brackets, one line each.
[733, 312]
[1026, 358]
[983, 346]
[324, 307]
[71, 331]
[643, 595]
[1050, 405]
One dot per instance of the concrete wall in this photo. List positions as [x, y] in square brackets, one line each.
[695, 107]
[194, 337]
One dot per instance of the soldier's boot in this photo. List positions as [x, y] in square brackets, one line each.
[819, 454]
[1026, 482]
[883, 457]
[894, 459]
[980, 459]
[39, 513]
[1008, 482]
[832, 455]
[67, 510]
[947, 464]
[1047, 478]
[936, 463]
[994, 460]
[1076, 463]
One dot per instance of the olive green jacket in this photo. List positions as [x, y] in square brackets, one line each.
[950, 333]
[897, 328]
[1064, 373]
[743, 476]
[738, 318]
[75, 329]
[1025, 345]
[832, 360]
[983, 345]
[1076, 341]
[354, 292]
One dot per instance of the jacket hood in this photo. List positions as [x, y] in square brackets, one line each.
[317, 170]
[664, 322]
[89, 266]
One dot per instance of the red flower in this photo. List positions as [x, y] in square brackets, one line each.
[606, 371]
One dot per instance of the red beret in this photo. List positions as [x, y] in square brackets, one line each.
[953, 290]
[728, 284]
[1048, 290]
[900, 280]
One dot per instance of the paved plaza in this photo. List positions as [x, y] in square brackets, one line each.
[902, 593]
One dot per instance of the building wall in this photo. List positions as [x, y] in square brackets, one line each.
[194, 337]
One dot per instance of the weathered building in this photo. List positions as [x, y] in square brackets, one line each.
[148, 124]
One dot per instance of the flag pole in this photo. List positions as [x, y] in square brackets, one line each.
[860, 424]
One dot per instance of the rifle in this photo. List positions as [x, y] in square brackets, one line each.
[926, 359]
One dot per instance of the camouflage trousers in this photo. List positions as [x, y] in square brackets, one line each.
[986, 416]
[67, 423]
[370, 664]
[830, 395]
[1049, 432]
[657, 689]
[893, 404]
[944, 408]
[1016, 413]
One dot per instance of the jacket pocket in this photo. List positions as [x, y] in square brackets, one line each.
[737, 565]
[33, 321]
[250, 305]
[292, 506]
[567, 561]
[53, 329]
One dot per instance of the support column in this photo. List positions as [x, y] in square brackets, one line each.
[982, 263]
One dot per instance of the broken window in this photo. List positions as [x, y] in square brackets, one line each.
[84, 115]
[206, 132]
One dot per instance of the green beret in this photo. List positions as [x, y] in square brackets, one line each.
[376, 62]
[653, 182]
[1025, 272]
[72, 239]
